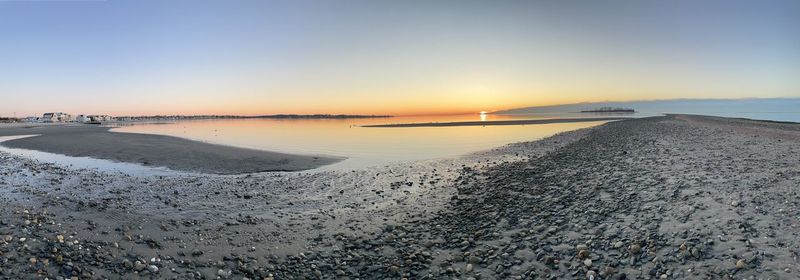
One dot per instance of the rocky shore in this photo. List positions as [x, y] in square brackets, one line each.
[674, 197]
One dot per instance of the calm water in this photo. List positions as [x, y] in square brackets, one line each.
[375, 146]
[361, 145]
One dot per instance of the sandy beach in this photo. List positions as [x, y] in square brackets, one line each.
[672, 197]
[155, 150]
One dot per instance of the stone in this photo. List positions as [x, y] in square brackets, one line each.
[139, 266]
[152, 268]
[619, 244]
[583, 254]
[223, 274]
[587, 262]
[741, 264]
[127, 264]
[695, 252]
[734, 203]
[469, 268]
[635, 249]
[591, 275]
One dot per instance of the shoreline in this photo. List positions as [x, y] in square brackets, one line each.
[675, 196]
[494, 123]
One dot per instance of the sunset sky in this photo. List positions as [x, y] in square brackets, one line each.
[381, 57]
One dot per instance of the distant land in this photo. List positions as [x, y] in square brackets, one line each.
[279, 116]
[678, 106]
[609, 110]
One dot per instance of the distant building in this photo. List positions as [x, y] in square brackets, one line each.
[93, 118]
[101, 118]
[31, 119]
[56, 117]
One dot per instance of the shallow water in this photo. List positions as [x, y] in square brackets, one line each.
[363, 146]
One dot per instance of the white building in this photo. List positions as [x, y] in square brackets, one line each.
[57, 117]
[83, 119]
[101, 118]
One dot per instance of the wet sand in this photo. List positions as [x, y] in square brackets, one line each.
[491, 123]
[155, 150]
[672, 197]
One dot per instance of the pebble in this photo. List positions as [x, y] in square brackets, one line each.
[139, 266]
[587, 262]
[741, 264]
[469, 267]
[223, 274]
[152, 268]
[635, 249]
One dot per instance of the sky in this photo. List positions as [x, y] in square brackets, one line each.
[252, 57]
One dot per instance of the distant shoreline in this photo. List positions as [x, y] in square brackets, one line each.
[278, 116]
[495, 123]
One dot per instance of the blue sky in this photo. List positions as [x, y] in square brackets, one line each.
[259, 57]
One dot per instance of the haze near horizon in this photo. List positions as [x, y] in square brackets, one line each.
[400, 58]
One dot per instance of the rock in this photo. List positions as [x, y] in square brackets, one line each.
[197, 252]
[139, 266]
[591, 275]
[695, 252]
[60, 238]
[223, 274]
[469, 268]
[619, 244]
[152, 268]
[741, 264]
[587, 262]
[581, 247]
[8, 238]
[635, 249]
[734, 203]
[583, 254]
[127, 264]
